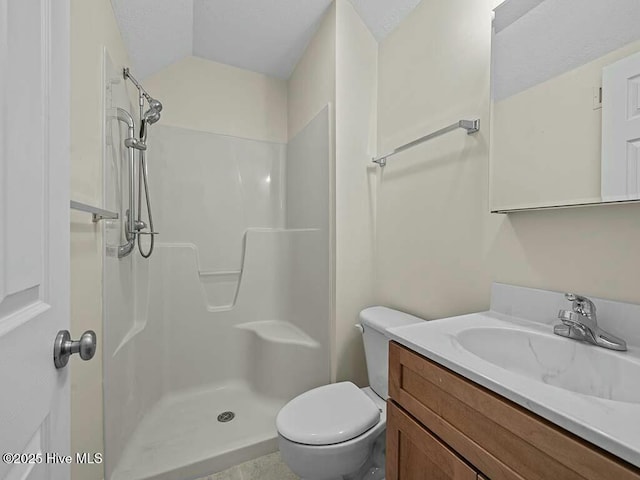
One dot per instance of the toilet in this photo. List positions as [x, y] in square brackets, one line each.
[337, 431]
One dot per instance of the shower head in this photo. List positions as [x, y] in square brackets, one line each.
[154, 104]
[151, 116]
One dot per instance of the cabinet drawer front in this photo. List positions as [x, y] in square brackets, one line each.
[413, 453]
[498, 437]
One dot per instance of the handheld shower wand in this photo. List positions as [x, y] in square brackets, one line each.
[151, 116]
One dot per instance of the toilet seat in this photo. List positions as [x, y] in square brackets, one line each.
[328, 415]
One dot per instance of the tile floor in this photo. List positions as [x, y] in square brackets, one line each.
[269, 467]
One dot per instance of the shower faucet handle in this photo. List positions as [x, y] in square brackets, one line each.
[139, 225]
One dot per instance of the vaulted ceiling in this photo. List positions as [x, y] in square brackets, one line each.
[265, 36]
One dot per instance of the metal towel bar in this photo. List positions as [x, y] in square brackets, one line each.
[97, 213]
[471, 126]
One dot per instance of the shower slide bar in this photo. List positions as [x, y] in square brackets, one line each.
[471, 126]
[96, 213]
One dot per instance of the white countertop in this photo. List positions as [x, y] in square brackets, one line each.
[612, 425]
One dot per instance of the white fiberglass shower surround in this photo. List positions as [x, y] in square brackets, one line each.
[231, 313]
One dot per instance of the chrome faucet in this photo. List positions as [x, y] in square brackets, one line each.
[580, 323]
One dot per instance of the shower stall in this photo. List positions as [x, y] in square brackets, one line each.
[205, 340]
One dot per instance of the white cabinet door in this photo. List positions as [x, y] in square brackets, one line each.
[621, 130]
[34, 234]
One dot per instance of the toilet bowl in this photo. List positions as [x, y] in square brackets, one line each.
[344, 446]
[337, 431]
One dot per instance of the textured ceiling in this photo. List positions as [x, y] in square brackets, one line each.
[383, 16]
[265, 36]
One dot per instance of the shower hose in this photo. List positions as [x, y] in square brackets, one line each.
[143, 178]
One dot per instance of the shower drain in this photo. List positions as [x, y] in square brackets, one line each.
[225, 417]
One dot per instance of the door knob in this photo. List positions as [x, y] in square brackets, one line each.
[64, 347]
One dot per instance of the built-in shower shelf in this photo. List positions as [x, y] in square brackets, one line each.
[279, 332]
[219, 289]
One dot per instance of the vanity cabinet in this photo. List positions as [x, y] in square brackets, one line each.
[442, 426]
[418, 454]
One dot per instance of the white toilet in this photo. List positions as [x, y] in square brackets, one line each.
[337, 431]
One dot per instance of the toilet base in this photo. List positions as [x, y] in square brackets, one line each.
[369, 463]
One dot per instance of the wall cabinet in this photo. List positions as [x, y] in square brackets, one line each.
[442, 426]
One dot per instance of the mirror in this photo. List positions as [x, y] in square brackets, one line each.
[566, 103]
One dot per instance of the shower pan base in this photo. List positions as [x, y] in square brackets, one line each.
[181, 436]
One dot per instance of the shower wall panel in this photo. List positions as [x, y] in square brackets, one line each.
[209, 189]
[263, 341]
[234, 301]
[307, 175]
[308, 205]
[129, 387]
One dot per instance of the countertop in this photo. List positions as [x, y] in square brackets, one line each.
[610, 424]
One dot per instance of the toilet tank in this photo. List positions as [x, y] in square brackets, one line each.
[375, 322]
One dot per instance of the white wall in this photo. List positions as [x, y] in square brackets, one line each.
[203, 95]
[356, 104]
[438, 248]
[93, 26]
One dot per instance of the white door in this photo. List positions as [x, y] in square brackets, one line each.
[621, 130]
[34, 236]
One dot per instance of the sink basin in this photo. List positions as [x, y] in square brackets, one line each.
[563, 363]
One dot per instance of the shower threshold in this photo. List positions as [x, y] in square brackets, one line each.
[181, 436]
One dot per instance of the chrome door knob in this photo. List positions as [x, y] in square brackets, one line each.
[64, 347]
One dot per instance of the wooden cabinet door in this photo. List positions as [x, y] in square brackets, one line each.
[413, 453]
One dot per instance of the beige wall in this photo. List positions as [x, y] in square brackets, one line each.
[312, 84]
[93, 27]
[590, 250]
[434, 233]
[438, 249]
[208, 96]
[356, 103]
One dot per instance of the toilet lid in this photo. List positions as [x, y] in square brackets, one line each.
[327, 415]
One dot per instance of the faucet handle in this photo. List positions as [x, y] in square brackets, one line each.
[581, 304]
